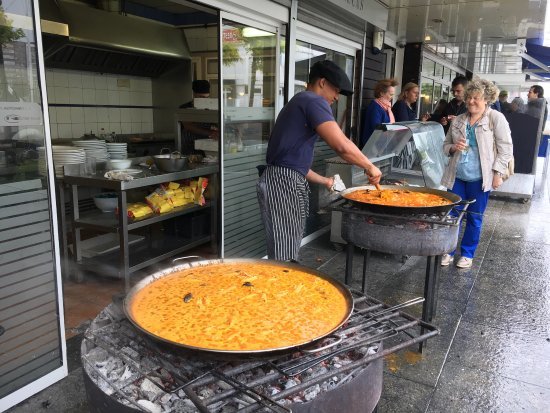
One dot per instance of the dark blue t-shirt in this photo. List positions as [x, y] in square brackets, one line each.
[293, 137]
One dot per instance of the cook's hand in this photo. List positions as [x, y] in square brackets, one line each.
[329, 183]
[497, 181]
[425, 117]
[450, 118]
[374, 174]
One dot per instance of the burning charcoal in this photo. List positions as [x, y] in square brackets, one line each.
[248, 284]
[165, 398]
[274, 391]
[150, 389]
[98, 356]
[127, 374]
[130, 352]
[104, 386]
[312, 392]
[205, 393]
[290, 383]
[184, 406]
[152, 407]
[188, 297]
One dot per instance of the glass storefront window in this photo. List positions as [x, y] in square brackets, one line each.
[250, 89]
[445, 93]
[306, 56]
[426, 95]
[438, 70]
[428, 67]
[29, 316]
[438, 87]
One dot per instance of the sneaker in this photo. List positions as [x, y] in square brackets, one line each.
[446, 260]
[464, 262]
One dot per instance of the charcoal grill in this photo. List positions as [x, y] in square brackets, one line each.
[345, 377]
[410, 234]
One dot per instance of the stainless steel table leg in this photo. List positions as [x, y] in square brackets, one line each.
[76, 234]
[62, 223]
[123, 239]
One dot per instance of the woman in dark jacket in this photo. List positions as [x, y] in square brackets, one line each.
[405, 108]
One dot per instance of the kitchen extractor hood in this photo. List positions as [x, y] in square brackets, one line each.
[82, 37]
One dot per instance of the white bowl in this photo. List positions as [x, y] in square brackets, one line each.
[118, 164]
[106, 201]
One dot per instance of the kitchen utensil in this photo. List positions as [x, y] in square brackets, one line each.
[171, 162]
[106, 201]
[119, 163]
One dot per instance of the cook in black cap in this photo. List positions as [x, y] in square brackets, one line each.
[283, 191]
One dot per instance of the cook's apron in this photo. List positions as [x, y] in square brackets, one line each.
[283, 195]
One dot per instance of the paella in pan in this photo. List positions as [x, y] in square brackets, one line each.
[239, 306]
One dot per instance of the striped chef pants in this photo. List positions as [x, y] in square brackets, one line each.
[283, 195]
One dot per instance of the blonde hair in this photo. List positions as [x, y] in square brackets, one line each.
[408, 86]
[383, 85]
[484, 87]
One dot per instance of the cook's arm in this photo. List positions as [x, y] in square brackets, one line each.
[335, 138]
[315, 178]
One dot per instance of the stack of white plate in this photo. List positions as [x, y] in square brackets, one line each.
[94, 149]
[66, 155]
[117, 150]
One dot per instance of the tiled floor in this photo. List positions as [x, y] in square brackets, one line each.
[83, 301]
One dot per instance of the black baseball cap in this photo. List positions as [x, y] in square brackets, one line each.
[331, 71]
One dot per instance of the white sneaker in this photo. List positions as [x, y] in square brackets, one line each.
[464, 262]
[446, 260]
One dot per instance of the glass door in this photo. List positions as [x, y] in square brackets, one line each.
[32, 344]
[250, 76]
[307, 54]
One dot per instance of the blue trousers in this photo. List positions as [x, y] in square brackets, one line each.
[474, 215]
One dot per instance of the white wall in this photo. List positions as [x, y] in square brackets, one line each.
[115, 100]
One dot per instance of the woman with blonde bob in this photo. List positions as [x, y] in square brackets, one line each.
[379, 110]
[479, 146]
[405, 108]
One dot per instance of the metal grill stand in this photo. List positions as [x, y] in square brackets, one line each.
[430, 236]
[127, 371]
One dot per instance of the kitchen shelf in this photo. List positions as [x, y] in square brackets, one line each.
[109, 221]
[197, 221]
[141, 257]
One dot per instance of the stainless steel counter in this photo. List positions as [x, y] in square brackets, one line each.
[147, 177]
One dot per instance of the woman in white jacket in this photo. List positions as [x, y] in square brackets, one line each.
[479, 146]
